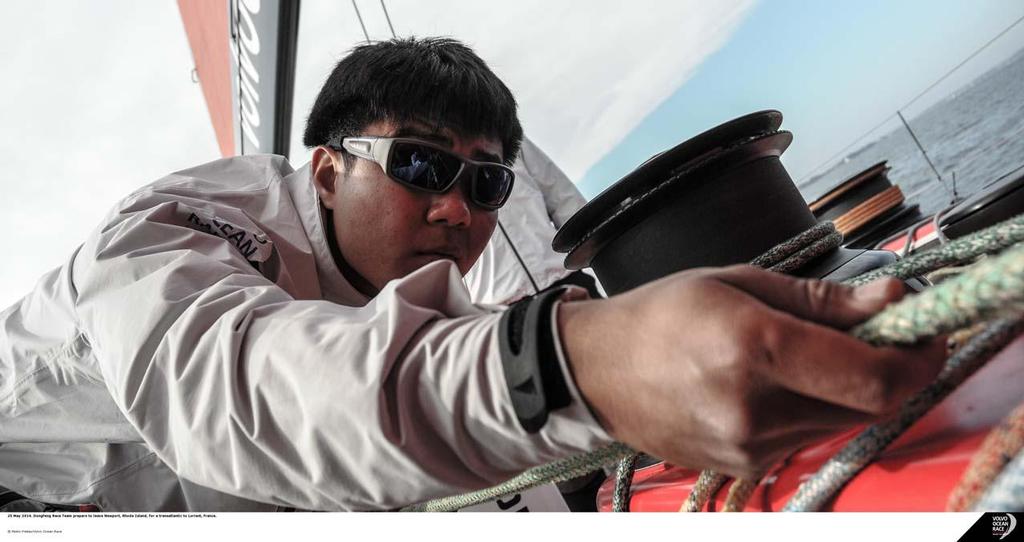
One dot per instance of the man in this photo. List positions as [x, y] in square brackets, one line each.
[242, 336]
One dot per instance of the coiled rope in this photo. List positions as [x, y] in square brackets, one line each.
[938, 310]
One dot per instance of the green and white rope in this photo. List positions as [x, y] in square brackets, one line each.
[554, 472]
[990, 289]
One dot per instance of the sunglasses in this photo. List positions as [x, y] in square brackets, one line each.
[424, 166]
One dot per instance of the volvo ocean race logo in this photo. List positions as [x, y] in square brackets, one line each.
[1003, 525]
[248, 46]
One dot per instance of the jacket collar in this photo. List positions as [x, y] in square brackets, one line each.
[333, 284]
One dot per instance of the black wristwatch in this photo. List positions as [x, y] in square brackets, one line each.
[530, 360]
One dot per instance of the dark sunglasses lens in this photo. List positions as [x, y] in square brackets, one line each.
[422, 166]
[492, 186]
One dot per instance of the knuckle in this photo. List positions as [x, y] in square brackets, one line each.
[819, 295]
[740, 427]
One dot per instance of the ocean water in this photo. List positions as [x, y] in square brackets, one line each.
[977, 133]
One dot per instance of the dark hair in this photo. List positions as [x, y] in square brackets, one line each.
[439, 81]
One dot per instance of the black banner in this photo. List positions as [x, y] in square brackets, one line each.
[996, 526]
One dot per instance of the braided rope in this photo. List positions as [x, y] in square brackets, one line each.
[817, 248]
[1007, 491]
[554, 472]
[782, 251]
[739, 492]
[623, 482]
[989, 289]
[998, 448]
[813, 494]
[707, 484]
[965, 249]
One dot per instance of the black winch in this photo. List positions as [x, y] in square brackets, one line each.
[720, 198]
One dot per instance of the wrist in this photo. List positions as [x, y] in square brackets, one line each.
[581, 334]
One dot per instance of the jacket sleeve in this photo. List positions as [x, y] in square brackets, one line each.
[239, 387]
[561, 197]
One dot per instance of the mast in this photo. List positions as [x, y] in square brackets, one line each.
[244, 51]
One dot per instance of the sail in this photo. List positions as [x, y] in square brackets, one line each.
[244, 52]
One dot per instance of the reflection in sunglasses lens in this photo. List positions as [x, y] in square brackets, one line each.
[492, 185]
[423, 167]
[434, 170]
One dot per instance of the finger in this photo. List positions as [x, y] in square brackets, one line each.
[832, 366]
[830, 303]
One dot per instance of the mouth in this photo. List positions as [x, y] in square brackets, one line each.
[440, 254]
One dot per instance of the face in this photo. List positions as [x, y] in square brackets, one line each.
[385, 230]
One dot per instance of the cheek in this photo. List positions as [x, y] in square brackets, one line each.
[376, 218]
[482, 228]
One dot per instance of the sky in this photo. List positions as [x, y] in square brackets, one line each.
[98, 97]
[835, 69]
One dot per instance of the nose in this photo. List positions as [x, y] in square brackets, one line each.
[450, 208]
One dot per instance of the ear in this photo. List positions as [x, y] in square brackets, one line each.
[326, 166]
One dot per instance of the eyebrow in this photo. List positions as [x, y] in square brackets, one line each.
[434, 137]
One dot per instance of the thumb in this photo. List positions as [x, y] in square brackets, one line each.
[829, 303]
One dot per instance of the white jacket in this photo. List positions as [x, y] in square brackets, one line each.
[542, 200]
[200, 351]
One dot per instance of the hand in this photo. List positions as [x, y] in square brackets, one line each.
[731, 369]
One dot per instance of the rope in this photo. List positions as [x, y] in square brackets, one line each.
[813, 494]
[554, 472]
[790, 250]
[1007, 491]
[623, 482]
[989, 289]
[739, 492]
[707, 484]
[998, 448]
[965, 249]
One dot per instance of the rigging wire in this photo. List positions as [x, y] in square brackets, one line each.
[522, 264]
[360, 17]
[388, 17]
[915, 98]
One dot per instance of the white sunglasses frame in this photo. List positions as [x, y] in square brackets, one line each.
[378, 149]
